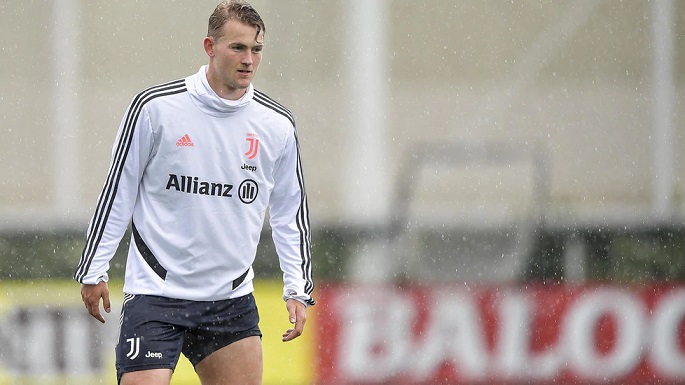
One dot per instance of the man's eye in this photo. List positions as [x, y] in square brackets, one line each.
[257, 50]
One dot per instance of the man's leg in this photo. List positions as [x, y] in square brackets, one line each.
[239, 363]
[147, 377]
[150, 339]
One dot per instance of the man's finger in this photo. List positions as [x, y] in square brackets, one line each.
[97, 315]
[94, 310]
[105, 301]
[291, 334]
[292, 312]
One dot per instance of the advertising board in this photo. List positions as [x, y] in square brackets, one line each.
[533, 334]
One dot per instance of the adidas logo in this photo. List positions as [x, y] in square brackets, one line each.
[185, 141]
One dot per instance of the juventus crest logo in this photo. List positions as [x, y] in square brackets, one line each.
[253, 139]
[135, 347]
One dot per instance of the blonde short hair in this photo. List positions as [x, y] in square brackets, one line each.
[233, 10]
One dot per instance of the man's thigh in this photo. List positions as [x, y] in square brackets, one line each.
[239, 363]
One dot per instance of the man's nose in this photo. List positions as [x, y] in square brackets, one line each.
[247, 58]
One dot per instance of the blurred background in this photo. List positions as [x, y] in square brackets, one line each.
[477, 142]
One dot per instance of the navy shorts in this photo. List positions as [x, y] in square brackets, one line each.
[154, 330]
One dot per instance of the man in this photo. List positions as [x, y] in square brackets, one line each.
[195, 166]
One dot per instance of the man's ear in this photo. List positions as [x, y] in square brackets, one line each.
[209, 46]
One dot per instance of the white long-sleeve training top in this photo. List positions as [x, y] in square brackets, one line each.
[196, 173]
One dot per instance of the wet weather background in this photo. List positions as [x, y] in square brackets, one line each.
[499, 183]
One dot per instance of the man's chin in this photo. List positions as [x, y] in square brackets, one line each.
[243, 82]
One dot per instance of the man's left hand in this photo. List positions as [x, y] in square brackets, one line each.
[297, 313]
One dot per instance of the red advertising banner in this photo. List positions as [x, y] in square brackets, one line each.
[533, 334]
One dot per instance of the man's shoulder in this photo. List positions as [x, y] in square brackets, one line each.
[272, 106]
[163, 89]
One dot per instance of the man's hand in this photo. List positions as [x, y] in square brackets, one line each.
[91, 295]
[297, 314]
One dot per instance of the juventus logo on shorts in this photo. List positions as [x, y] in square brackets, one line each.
[135, 347]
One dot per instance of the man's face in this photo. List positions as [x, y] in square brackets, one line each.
[233, 59]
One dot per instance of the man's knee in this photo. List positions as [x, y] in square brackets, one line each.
[147, 377]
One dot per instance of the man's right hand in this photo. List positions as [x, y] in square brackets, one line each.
[91, 295]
